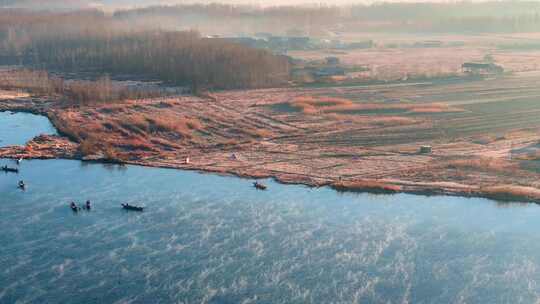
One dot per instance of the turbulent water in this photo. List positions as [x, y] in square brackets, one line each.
[212, 239]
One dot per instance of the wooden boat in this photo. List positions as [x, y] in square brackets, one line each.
[8, 169]
[132, 208]
[259, 186]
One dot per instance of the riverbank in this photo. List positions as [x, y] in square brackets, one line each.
[313, 136]
[49, 147]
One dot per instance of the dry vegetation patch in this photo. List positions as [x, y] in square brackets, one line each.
[483, 164]
[73, 92]
[320, 140]
[367, 186]
[512, 192]
[318, 105]
[378, 121]
[533, 156]
[182, 125]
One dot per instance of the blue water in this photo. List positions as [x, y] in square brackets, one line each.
[213, 239]
[18, 128]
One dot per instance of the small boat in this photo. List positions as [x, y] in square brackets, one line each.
[259, 186]
[74, 207]
[8, 169]
[132, 208]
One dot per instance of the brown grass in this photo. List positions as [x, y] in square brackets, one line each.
[433, 108]
[183, 126]
[535, 155]
[112, 108]
[367, 186]
[260, 133]
[137, 143]
[386, 121]
[72, 131]
[511, 192]
[138, 121]
[88, 147]
[193, 123]
[485, 164]
[379, 121]
[77, 92]
[111, 154]
[314, 105]
[229, 142]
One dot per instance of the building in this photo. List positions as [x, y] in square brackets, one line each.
[328, 71]
[474, 68]
[426, 149]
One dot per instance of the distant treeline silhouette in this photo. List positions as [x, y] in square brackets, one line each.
[496, 16]
[90, 40]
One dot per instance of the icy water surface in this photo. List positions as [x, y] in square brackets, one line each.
[213, 239]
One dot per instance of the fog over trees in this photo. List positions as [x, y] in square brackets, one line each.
[90, 40]
[169, 42]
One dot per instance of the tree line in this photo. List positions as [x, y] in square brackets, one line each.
[93, 41]
[455, 17]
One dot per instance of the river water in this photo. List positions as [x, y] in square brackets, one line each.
[17, 128]
[212, 239]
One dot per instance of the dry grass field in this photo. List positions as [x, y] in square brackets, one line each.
[357, 137]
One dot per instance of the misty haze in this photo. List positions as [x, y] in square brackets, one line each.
[269, 152]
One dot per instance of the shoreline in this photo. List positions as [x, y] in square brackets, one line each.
[242, 134]
[377, 187]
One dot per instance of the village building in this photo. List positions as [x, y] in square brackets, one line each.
[474, 68]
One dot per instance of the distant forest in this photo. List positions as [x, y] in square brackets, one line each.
[91, 40]
[164, 41]
[460, 17]
[452, 17]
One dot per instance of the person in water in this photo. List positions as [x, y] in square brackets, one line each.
[21, 184]
[87, 206]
